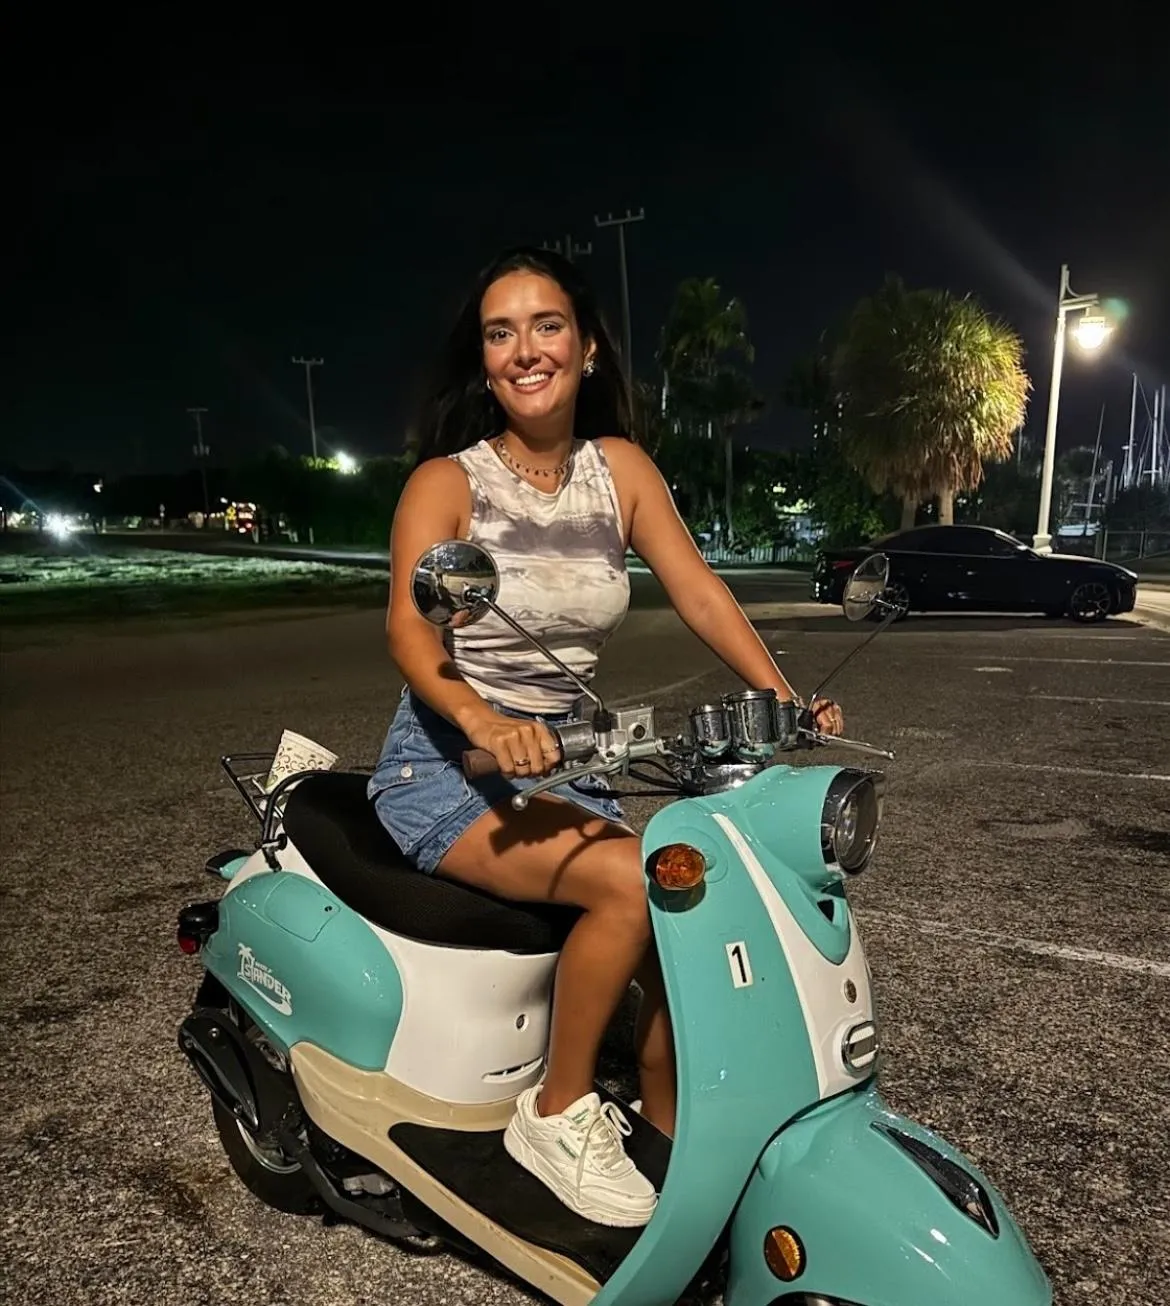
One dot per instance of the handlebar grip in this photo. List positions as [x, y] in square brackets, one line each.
[479, 762]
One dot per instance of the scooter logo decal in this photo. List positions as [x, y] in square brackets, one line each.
[261, 980]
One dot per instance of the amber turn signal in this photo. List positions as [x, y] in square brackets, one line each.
[784, 1254]
[678, 866]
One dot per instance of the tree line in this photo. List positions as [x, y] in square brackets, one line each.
[915, 403]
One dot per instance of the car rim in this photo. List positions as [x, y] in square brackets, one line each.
[1092, 600]
[271, 1158]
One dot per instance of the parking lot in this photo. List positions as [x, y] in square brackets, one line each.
[1017, 921]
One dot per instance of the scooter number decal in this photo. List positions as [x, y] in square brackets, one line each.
[741, 966]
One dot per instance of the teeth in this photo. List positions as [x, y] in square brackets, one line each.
[533, 378]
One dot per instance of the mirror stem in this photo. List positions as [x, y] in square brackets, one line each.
[820, 689]
[601, 718]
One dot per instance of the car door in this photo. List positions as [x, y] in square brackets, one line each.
[987, 571]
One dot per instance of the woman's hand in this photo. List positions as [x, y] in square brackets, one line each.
[827, 716]
[521, 748]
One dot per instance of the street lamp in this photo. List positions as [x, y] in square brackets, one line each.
[1091, 333]
[346, 464]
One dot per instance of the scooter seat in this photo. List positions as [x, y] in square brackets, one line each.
[335, 828]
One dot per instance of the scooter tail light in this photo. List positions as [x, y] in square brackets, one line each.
[784, 1253]
[678, 866]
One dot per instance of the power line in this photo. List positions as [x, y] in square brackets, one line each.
[568, 249]
[308, 364]
[201, 451]
[621, 224]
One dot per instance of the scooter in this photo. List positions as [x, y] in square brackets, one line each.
[364, 1030]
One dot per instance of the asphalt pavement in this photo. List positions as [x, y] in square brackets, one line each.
[1016, 921]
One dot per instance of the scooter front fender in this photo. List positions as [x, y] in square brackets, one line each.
[878, 1226]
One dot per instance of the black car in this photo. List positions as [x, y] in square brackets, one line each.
[976, 569]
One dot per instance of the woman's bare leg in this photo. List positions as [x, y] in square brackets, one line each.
[654, 1043]
[555, 852]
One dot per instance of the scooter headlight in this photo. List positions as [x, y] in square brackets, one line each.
[850, 818]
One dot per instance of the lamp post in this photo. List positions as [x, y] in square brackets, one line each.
[1092, 331]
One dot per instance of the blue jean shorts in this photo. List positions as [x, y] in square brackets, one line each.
[426, 802]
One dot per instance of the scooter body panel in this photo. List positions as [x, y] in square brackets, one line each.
[306, 967]
[875, 1227]
[742, 1048]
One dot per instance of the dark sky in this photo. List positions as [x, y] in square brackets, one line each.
[194, 210]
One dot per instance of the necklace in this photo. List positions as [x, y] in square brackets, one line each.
[517, 466]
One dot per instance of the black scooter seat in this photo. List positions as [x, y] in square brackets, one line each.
[335, 828]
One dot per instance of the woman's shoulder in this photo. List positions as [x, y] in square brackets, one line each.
[437, 478]
[625, 459]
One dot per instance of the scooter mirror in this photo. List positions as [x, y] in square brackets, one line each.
[454, 582]
[866, 585]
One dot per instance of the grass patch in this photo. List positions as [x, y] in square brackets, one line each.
[78, 585]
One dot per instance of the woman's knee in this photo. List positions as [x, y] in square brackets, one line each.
[621, 891]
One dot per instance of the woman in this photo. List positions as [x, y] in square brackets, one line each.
[526, 449]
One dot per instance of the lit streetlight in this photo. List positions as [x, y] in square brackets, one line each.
[346, 463]
[1091, 333]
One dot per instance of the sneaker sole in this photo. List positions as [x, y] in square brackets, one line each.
[523, 1153]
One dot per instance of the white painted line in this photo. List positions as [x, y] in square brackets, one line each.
[1073, 770]
[1007, 669]
[1091, 662]
[1116, 960]
[1127, 702]
[663, 689]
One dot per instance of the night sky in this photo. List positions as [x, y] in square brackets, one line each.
[195, 210]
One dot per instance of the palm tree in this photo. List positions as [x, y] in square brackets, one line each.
[703, 388]
[931, 387]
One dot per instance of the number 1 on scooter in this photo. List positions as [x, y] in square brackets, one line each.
[741, 967]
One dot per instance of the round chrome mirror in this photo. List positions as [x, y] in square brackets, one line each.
[453, 583]
[868, 583]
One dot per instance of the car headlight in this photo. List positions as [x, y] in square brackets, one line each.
[850, 818]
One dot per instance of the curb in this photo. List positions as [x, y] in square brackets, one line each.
[1155, 618]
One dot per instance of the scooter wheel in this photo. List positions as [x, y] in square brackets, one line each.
[265, 1171]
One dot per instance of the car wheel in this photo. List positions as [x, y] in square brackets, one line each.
[897, 594]
[1092, 600]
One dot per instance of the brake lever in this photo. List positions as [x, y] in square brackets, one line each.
[815, 737]
[566, 776]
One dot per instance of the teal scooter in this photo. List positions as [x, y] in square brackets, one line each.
[364, 1030]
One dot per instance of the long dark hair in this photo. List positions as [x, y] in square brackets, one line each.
[459, 410]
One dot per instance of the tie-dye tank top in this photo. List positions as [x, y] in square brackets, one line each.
[562, 564]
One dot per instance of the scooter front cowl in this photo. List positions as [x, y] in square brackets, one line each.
[884, 1213]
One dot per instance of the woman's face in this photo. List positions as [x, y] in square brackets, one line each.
[532, 350]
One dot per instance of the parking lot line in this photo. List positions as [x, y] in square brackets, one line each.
[1115, 960]
[1071, 770]
[1089, 662]
[1128, 702]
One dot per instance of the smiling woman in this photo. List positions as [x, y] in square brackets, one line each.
[530, 409]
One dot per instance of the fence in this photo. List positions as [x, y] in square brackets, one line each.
[776, 553]
[1119, 546]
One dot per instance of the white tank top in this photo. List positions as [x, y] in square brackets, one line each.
[562, 564]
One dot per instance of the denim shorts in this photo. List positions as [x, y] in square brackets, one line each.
[426, 802]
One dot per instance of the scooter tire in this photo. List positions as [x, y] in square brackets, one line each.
[283, 1186]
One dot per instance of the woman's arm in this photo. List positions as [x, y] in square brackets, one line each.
[659, 537]
[436, 505]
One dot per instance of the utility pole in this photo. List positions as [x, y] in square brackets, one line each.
[621, 224]
[201, 451]
[568, 250]
[308, 364]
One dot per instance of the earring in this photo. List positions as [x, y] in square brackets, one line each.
[589, 368]
[488, 385]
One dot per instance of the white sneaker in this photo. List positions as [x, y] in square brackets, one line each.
[579, 1155]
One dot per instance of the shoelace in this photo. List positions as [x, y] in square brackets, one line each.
[605, 1133]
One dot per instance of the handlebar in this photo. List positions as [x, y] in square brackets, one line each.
[478, 762]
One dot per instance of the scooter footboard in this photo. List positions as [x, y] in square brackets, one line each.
[885, 1214]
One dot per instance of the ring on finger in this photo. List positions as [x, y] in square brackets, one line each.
[522, 761]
